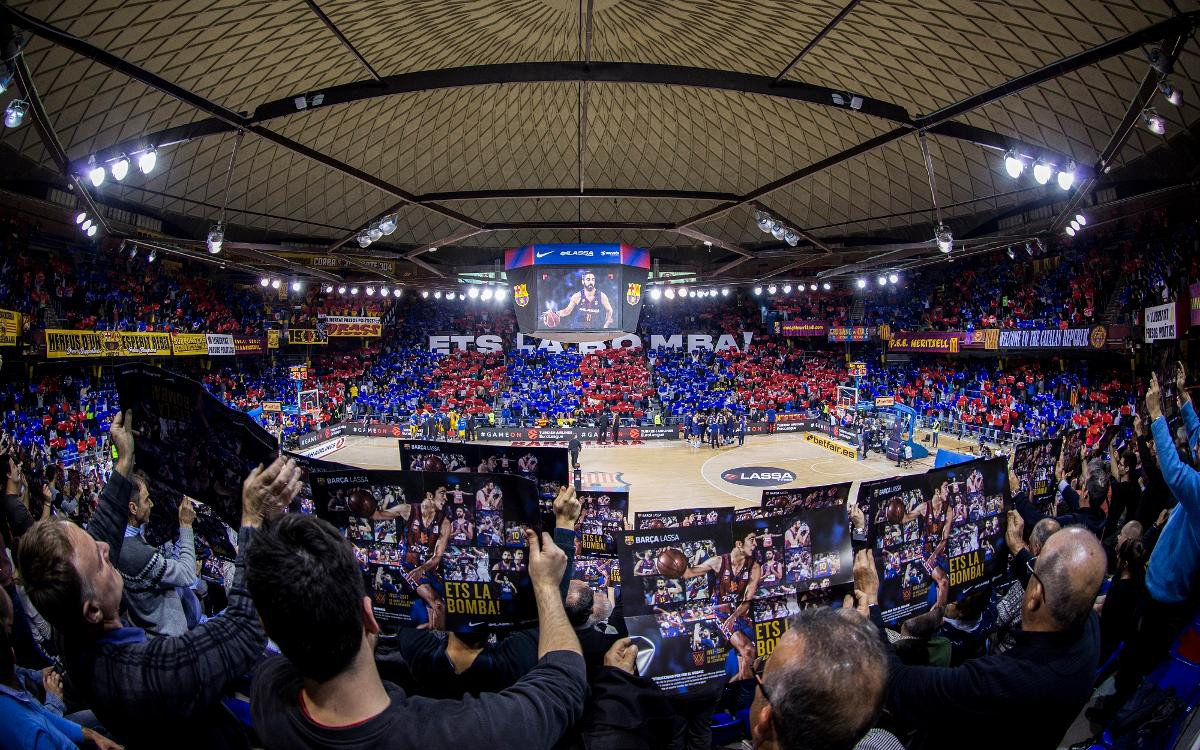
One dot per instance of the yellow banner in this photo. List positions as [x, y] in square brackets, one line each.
[189, 344]
[65, 344]
[306, 336]
[991, 338]
[273, 338]
[10, 327]
[830, 444]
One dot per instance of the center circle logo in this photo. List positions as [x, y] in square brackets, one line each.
[758, 476]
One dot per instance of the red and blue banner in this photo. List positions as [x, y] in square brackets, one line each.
[581, 254]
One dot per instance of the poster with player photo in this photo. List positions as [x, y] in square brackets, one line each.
[649, 520]
[601, 519]
[602, 574]
[806, 497]
[1072, 453]
[1033, 464]
[668, 568]
[547, 466]
[945, 527]
[816, 547]
[440, 550]
[190, 441]
[683, 650]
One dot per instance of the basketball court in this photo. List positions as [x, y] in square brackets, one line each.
[670, 474]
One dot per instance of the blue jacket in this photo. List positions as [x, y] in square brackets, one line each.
[24, 723]
[1176, 557]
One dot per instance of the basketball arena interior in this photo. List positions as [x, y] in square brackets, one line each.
[599, 374]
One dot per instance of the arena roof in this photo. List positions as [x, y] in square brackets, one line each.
[661, 123]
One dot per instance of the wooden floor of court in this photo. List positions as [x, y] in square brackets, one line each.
[669, 474]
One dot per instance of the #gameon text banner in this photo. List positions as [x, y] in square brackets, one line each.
[446, 343]
[1160, 323]
[10, 327]
[66, 344]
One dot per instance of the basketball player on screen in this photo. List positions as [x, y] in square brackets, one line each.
[738, 575]
[589, 302]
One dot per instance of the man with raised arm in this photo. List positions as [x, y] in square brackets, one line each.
[147, 692]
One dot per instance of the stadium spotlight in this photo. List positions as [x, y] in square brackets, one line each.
[725, 292]
[295, 286]
[1070, 231]
[1029, 249]
[669, 293]
[827, 286]
[882, 280]
[383, 291]
[812, 287]
[708, 243]
[91, 232]
[5, 81]
[1013, 164]
[792, 237]
[86, 225]
[370, 291]
[264, 281]
[373, 233]
[772, 289]
[275, 283]
[329, 288]
[861, 283]
[944, 238]
[437, 295]
[425, 294]
[451, 296]
[80, 217]
[1042, 170]
[1153, 121]
[892, 278]
[501, 294]
[683, 291]
[655, 293]
[486, 295]
[132, 251]
[14, 113]
[764, 220]
[473, 292]
[1172, 93]
[1066, 176]
[757, 291]
[397, 292]
[1081, 219]
[120, 168]
[147, 160]
[216, 238]
[152, 256]
[95, 173]
[1012, 255]
[341, 290]
[387, 224]
[787, 288]
[353, 291]
[778, 231]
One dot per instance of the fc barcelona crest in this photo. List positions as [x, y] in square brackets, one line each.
[521, 294]
[633, 293]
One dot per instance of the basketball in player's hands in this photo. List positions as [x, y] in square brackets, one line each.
[551, 319]
[895, 510]
[671, 563]
[362, 503]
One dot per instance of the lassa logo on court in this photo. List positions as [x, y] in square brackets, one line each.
[758, 476]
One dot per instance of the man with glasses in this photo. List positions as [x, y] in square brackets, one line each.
[823, 684]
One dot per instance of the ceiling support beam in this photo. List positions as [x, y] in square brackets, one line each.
[232, 119]
[329, 24]
[817, 39]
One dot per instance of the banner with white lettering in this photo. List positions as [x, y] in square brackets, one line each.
[220, 345]
[1055, 338]
[448, 342]
[1160, 323]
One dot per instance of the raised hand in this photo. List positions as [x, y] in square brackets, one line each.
[566, 508]
[1154, 398]
[187, 512]
[266, 492]
[547, 562]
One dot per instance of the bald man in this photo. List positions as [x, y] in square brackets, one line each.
[1038, 687]
[823, 684]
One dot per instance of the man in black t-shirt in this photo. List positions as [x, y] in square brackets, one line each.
[325, 690]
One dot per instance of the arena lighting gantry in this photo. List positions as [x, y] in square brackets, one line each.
[940, 122]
